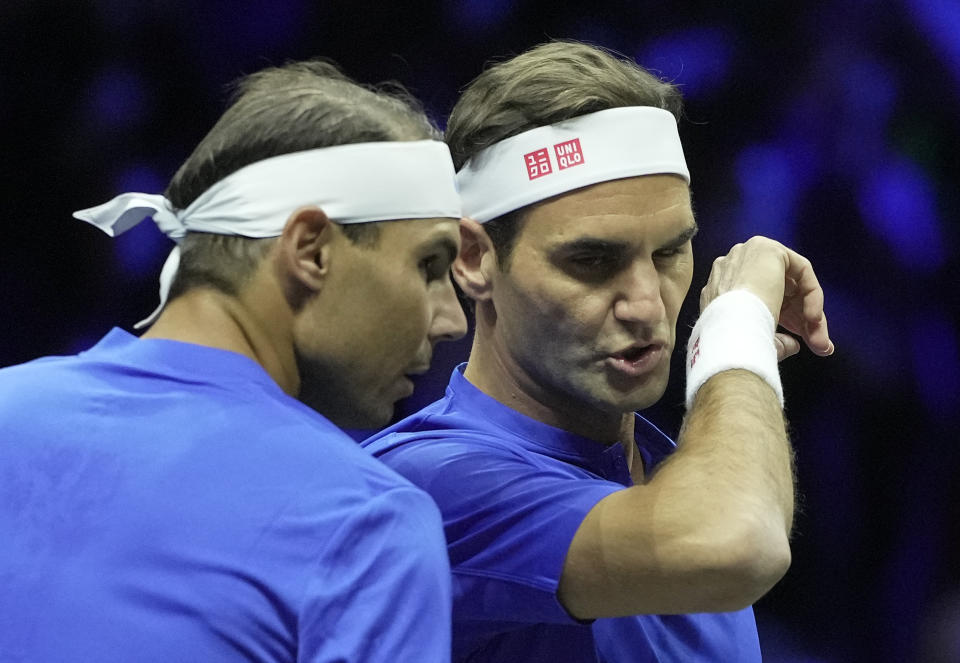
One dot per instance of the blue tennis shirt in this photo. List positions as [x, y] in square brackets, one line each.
[163, 501]
[513, 492]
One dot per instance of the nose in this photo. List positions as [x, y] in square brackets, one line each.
[449, 322]
[639, 299]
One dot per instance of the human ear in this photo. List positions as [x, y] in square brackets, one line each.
[475, 263]
[305, 247]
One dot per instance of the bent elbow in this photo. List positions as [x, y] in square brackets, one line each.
[767, 565]
[756, 561]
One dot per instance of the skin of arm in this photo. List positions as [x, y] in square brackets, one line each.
[709, 530]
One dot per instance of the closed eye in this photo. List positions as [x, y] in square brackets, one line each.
[669, 253]
[592, 260]
[678, 246]
[434, 267]
[593, 266]
[437, 258]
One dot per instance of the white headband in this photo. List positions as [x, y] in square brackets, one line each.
[355, 183]
[547, 161]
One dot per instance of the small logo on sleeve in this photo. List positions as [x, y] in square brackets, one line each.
[569, 153]
[538, 163]
[695, 352]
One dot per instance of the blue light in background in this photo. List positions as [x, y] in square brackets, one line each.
[940, 20]
[827, 450]
[698, 59]
[804, 132]
[479, 15]
[122, 14]
[596, 30]
[228, 38]
[118, 98]
[870, 90]
[769, 188]
[936, 364]
[265, 25]
[868, 93]
[853, 320]
[139, 177]
[898, 203]
[140, 251]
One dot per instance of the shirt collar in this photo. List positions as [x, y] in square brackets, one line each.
[203, 363]
[651, 442]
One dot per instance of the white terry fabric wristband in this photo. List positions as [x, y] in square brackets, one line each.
[736, 330]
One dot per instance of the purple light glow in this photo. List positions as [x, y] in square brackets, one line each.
[898, 204]
[697, 59]
[140, 251]
[936, 364]
[769, 190]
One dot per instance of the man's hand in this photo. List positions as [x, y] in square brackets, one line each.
[786, 283]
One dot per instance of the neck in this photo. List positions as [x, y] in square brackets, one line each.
[205, 316]
[493, 371]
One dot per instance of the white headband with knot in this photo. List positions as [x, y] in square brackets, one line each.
[354, 183]
[547, 161]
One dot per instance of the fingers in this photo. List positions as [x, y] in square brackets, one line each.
[817, 338]
[757, 265]
[803, 305]
[787, 345]
[785, 281]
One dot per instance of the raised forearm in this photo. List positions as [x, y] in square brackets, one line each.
[735, 435]
[709, 530]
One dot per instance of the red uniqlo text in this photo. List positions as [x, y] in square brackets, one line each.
[569, 153]
[538, 163]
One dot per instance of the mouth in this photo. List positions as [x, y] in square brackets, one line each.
[411, 373]
[636, 360]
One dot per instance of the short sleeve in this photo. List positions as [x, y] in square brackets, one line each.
[509, 523]
[381, 591]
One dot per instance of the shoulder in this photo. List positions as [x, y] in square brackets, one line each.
[434, 438]
[471, 468]
[314, 449]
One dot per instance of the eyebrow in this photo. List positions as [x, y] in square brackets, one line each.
[591, 245]
[597, 245]
[683, 237]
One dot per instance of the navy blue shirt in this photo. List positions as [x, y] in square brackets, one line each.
[163, 501]
[513, 491]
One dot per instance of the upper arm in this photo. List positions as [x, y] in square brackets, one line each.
[381, 591]
[508, 524]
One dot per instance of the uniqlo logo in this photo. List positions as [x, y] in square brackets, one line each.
[569, 153]
[538, 163]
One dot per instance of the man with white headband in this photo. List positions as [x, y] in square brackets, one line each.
[189, 495]
[576, 530]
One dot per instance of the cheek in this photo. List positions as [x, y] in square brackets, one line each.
[563, 316]
[674, 286]
[406, 315]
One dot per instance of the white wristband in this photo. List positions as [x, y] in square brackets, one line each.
[736, 330]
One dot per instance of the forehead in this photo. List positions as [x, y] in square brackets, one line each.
[651, 207]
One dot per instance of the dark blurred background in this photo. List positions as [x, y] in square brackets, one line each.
[831, 126]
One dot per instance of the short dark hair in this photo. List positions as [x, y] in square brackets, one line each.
[549, 83]
[295, 107]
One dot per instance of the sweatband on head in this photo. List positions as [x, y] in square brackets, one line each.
[544, 162]
[354, 183]
[735, 330]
